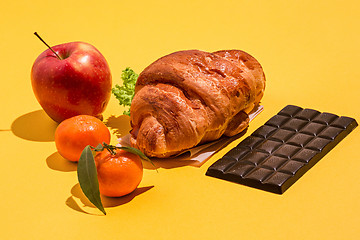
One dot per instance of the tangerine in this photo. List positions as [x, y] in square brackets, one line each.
[118, 174]
[75, 133]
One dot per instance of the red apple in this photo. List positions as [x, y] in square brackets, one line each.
[77, 81]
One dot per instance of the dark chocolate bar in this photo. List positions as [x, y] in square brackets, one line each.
[279, 152]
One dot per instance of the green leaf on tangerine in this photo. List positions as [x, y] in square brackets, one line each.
[87, 176]
[137, 152]
[99, 148]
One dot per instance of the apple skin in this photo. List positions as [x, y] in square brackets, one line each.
[79, 83]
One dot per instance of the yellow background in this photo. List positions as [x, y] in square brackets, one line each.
[310, 53]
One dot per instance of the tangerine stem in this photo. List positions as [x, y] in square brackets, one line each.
[110, 148]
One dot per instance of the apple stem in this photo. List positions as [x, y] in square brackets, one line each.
[36, 34]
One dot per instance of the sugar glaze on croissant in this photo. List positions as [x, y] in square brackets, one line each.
[190, 97]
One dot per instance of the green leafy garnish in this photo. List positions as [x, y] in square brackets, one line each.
[125, 93]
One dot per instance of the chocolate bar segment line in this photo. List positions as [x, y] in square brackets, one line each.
[279, 152]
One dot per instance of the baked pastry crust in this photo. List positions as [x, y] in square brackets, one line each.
[190, 97]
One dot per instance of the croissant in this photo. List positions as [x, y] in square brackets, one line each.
[191, 97]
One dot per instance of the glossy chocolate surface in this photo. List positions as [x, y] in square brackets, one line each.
[279, 152]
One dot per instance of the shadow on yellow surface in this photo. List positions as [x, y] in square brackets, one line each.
[34, 126]
[79, 202]
[56, 162]
[119, 125]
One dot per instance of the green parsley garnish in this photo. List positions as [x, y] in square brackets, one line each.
[125, 93]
